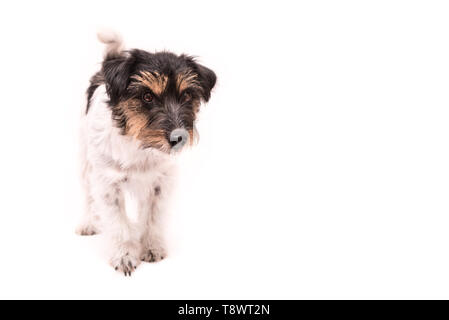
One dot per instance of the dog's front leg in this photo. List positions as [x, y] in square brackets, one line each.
[151, 217]
[109, 204]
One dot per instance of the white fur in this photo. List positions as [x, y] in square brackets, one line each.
[113, 40]
[111, 164]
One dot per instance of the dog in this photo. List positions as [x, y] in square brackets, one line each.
[141, 111]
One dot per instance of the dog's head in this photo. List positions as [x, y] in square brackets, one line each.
[155, 96]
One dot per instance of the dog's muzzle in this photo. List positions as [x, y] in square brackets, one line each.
[178, 138]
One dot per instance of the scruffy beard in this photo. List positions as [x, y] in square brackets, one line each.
[155, 140]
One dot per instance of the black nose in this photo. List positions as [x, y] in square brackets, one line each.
[175, 142]
[178, 138]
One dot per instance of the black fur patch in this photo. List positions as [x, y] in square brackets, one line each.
[96, 81]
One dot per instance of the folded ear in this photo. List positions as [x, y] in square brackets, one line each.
[207, 80]
[116, 72]
[206, 77]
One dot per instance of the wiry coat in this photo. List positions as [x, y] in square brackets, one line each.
[123, 148]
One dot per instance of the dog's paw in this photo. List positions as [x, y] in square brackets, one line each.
[87, 230]
[153, 255]
[125, 264]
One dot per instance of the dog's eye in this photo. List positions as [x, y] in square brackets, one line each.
[186, 97]
[147, 97]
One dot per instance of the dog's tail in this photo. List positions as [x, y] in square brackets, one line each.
[113, 41]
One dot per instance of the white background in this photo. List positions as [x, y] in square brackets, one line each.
[322, 168]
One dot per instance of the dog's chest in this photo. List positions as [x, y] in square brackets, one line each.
[140, 170]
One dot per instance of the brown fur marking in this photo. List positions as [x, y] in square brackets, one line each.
[152, 80]
[137, 126]
[186, 79]
[192, 137]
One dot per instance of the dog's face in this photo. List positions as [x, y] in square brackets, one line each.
[155, 96]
